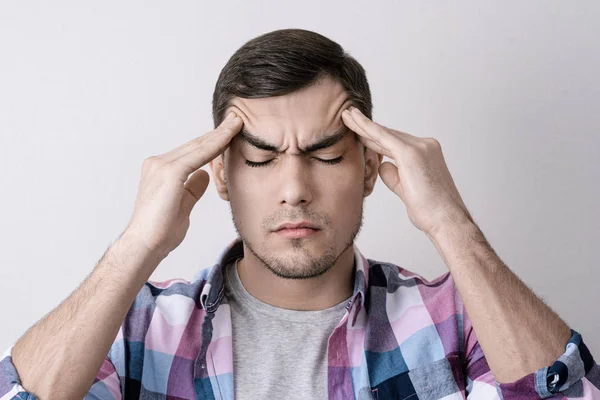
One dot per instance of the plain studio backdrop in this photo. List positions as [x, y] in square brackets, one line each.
[510, 89]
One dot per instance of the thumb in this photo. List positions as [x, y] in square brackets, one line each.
[389, 175]
[195, 187]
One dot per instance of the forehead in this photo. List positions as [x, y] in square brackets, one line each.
[306, 112]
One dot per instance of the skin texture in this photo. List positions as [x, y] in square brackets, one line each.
[309, 273]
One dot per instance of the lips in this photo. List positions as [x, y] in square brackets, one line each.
[297, 233]
[298, 225]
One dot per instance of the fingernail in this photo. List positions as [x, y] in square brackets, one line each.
[231, 116]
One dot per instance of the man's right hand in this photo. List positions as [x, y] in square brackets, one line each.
[170, 186]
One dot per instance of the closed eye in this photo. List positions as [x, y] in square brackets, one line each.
[264, 163]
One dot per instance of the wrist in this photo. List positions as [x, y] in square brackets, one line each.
[137, 242]
[130, 254]
[452, 225]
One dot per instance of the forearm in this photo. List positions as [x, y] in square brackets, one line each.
[517, 332]
[60, 356]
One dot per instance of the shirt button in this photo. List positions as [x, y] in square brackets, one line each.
[203, 366]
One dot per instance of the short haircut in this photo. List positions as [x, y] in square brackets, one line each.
[284, 61]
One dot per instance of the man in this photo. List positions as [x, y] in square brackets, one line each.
[292, 309]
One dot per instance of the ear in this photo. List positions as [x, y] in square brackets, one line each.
[372, 162]
[218, 170]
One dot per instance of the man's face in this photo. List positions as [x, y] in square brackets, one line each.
[295, 183]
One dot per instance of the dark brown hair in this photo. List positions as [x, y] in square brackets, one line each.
[284, 61]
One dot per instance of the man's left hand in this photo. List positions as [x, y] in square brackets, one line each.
[419, 176]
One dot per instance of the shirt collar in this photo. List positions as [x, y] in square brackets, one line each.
[213, 290]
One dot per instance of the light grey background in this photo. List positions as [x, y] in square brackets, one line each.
[510, 89]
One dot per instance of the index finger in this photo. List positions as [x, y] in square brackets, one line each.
[200, 151]
[363, 138]
[377, 132]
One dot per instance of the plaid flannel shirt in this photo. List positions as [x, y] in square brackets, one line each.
[402, 337]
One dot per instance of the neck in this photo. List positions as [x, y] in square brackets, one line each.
[312, 294]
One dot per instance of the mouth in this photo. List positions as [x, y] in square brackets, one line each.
[297, 233]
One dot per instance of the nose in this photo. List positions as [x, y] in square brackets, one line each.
[295, 181]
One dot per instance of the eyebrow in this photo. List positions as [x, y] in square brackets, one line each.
[262, 144]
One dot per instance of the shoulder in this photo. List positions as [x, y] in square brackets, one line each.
[409, 287]
[389, 274]
[173, 299]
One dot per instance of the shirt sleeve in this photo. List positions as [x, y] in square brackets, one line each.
[106, 384]
[575, 375]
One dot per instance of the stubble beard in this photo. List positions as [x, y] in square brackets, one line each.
[288, 267]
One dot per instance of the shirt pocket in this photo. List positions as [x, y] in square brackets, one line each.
[440, 379]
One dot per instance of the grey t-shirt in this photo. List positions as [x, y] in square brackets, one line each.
[278, 353]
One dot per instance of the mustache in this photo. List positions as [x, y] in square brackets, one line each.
[315, 218]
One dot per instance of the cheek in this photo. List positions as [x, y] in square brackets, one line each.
[341, 197]
[245, 185]
[350, 178]
[347, 186]
[239, 175]
[247, 191]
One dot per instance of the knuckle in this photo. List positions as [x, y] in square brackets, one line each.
[150, 161]
[432, 142]
[425, 145]
[155, 165]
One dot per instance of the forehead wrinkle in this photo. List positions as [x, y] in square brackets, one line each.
[322, 143]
